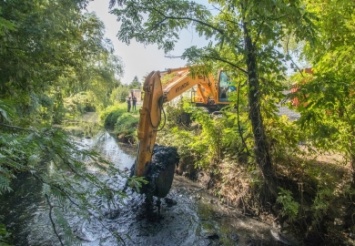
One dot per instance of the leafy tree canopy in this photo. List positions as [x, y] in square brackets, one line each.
[327, 95]
[51, 51]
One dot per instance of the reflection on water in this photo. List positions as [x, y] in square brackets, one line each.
[110, 149]
[26, 212]
[186, 217]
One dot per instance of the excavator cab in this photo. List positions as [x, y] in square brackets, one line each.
[225, 86]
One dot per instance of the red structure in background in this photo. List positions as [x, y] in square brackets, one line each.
[296, 86]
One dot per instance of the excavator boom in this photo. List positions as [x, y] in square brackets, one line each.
[155, 94]
[150, 115]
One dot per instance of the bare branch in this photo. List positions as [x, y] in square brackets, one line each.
[52, 221]
[227, 62]
[187, 18]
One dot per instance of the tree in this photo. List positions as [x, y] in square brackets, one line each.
[328, 114]
[135, 84]
[50, 50]
[245, 37]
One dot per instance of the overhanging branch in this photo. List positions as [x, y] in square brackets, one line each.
[227, 62]
[166, 17]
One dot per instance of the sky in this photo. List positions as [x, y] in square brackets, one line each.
[139, 60]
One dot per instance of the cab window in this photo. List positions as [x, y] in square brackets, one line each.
[225, 86]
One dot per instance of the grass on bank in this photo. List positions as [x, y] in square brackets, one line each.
[118, 121]
[315, 197]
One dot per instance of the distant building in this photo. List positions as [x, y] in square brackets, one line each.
[138, 94]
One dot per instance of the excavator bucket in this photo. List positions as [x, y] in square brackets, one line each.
[160, 173]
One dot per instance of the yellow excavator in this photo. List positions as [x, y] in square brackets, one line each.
[157, 164]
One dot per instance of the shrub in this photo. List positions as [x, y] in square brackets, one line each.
[290, 207]
[111, 114]
[126, 123]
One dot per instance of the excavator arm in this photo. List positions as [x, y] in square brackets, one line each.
[160, 171]
[183, 81]
[154, 97]
[150, 115]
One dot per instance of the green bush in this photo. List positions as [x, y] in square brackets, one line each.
[119, 94]
[290, 207]
[4, 236]
[110, 115]
[80, 103]
[126, 123]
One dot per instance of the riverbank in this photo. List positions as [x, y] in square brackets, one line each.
[235, 227]
[312, 204]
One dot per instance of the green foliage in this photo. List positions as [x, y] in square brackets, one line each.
[126, 123]
[167, 32]
[5, 25]
[176, 113]
[110, 115]
[326, 96]
[119, 94]
[53, 50]
[290, 207]
[208, 141]
[195, 141]
[135, 84]
[236, 132]
[137, 183]
[284, 136]
[321, 203]
[53, 55]
[4, 236]
[80, 103]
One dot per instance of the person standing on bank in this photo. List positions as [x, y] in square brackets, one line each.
[129, 104]
[134, 103]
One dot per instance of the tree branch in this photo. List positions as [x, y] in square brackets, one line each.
[227, 62]
[187, 18]
[17, 128]
[52, 221]
[70, 199]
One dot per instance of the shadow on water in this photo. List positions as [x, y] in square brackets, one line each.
[188, 216]
[21, 207]
[110, 149]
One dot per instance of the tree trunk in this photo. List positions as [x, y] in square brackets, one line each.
[261, 149]
[352, 159]
[352, 154]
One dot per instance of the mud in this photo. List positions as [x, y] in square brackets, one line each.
[188, 215]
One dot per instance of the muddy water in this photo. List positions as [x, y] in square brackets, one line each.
[189, 216]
